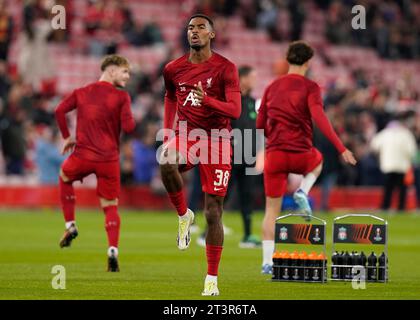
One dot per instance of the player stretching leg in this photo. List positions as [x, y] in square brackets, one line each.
[202, 88]
[102, 110]
[289, 105]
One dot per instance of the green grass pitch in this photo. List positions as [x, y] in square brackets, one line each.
[153, 268]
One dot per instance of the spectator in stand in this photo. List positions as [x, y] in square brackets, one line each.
[34, 64]
[94, 16]
[331, 167]
[48, 157]
[144, 151]
[127, 162]
[12, 137]
[396, 147]
[5, 81]
[417, 161]
[6, 28]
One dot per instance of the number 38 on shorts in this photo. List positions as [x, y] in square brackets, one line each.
[221, 179]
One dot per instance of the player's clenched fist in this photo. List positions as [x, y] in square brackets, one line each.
[69, 145]
[199, 93]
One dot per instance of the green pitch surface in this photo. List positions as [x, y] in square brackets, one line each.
[153, 268]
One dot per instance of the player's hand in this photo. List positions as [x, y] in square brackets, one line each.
[199, 93]
[69, 145]
[259, 163]
[348, 157]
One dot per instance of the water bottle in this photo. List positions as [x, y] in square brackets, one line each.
[372, 273]
[347, 262]
[335, 274]
[383, 267]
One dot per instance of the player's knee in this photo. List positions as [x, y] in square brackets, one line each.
[168, 169]
[106, 202]
[213, 210]
[63, 176]
[168, 157]
[318, 169]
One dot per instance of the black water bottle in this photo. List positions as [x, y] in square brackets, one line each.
[295, 268]
[372, 272]
[383, 267]
[363, 259]
[285, 270]
[340, 262]
[280, 259]
[276, 264]
[335, 274]
[347, 262]
[356, 259]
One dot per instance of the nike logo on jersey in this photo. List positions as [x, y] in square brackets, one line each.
[181, 83]
[217, 189]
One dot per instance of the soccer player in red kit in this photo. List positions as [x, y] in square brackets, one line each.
[202, 89]
[102, 111]
[288, 106]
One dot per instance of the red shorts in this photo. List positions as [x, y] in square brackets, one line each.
[107, 174]
[213, 159]
[278, 164]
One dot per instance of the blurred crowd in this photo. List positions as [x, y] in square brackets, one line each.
[28, 95]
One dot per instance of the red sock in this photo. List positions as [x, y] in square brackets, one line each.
[68, 199]
[178, 200]
[213, 258]
[112, 225]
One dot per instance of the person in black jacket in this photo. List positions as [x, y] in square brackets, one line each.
[241, 179]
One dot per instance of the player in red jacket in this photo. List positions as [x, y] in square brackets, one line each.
[102, 111]
[202, 89]
[288, 106]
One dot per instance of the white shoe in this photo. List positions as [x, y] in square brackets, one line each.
[301, 198]
[184, 237]
[210, 289]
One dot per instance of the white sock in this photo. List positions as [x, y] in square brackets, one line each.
[307, 182]
[115, 251]
[211, 278]
[268, 250]
[69, 223]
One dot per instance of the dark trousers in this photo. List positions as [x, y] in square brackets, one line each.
[417, 184]
[244, 185]
[393, 180]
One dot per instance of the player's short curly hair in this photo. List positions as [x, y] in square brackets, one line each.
[299, 52]
[114, 60]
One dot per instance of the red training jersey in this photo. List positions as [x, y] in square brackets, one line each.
[287, 108]
[102, 110]
[222, 102]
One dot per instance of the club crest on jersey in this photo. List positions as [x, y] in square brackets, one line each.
[191, 98]
[209, 82]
